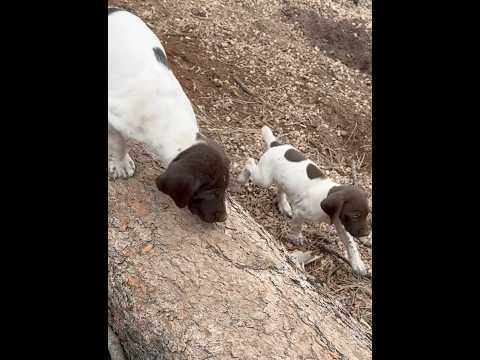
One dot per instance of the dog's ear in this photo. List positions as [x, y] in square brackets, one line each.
[333, 205]
[179, 186]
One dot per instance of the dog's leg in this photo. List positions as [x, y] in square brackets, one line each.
[353, 254]
[244, 176]
[295, 235]
[120, 164]
[283, 204]
[254, 172]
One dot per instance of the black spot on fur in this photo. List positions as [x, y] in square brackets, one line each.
[160, 56]
[314, 172]
[275, 143]
[294, 155]
[112, 10]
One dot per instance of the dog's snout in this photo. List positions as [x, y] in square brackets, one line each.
[364, 233]
[221, 216]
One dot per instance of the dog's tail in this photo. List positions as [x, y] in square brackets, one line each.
[269, 138]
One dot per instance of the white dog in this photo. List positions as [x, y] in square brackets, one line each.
[305, 194]
[147, 103]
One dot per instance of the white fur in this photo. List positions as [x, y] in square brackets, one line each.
[145, 100]
[299, 197]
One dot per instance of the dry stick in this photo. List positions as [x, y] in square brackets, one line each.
[354, 286]
[244, 87]
[250, 92]
[354, 174]
[361, 161]
[327, 250]
[199, 17]
[179, 34]
[331, 273]
[351, 134]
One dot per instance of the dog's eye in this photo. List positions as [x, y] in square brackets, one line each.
[196, 200]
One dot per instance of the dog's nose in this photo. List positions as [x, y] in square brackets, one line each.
[364, 234]
[221, 216]
[364, 231]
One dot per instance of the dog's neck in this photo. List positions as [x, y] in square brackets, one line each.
[172, 147]
[178, 144]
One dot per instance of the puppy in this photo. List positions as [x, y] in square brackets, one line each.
[147, 103]
[305, 194]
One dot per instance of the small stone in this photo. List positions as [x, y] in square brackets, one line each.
[199, 12]
[147, 248]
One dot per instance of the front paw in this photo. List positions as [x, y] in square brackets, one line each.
[296, 239]
[121, 168]
[359, 268]
[285, 210]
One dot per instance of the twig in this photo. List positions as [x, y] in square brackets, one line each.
[244, 87]
[250, 92]
[199, 17]
[331, 273]
[361, 161]
[351, 134]
[245, 102]
[178, 34]
[354, 286]
[354, 174]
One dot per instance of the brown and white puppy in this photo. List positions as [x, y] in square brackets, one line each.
[305, 194]
[147, 103]
[197, 178]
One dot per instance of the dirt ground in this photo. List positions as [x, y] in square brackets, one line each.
[303, 67]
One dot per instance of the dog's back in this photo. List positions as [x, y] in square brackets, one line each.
[130, 47]
[289, 168]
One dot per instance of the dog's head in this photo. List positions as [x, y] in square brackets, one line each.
[198, 178]
[349, 205]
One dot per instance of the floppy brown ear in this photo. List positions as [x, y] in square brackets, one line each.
[179, 187]
[333, 205]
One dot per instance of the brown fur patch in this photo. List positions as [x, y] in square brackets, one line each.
[314, 172]
[294, 155]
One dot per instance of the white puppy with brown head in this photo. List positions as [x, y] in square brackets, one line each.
[306, 195]
[147, 103]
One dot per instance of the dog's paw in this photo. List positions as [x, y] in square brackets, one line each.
[121, 168]
[242, 178]
[359, 268]
[284, 208]
[296, 239]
